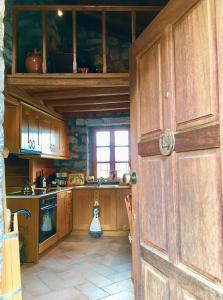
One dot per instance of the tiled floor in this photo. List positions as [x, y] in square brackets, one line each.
[81, 268]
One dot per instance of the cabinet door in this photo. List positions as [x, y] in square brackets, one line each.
[61, 215]
[122, 217]
[12, 128]
[69, 211]
[28, 227]
[55, 136]
[45, 134]
[30, 135]
[64, 144]
[107, 202]
[25, 134]
[34, 129]
[82, 208]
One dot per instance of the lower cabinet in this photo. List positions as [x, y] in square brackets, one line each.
[29, 228]
[64, 213]
[113, 214]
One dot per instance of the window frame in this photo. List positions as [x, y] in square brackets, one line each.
[112, 146]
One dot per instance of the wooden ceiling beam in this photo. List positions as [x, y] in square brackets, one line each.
[96, 113]
[70, 80]
[87, 101]
[81, 93]
[90, 108]
[152, 8]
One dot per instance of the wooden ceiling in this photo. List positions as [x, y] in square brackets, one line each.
[75, 94]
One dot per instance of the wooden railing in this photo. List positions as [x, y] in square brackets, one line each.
[104, 10]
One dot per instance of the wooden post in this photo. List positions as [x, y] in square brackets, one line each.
[104, 46]
[133, 15]
[74, 15]
[44, 41]
[14, 41]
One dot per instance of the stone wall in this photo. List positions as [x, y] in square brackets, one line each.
[2, 67]
[80, 141]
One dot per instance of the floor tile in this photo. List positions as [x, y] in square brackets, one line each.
[81, 268]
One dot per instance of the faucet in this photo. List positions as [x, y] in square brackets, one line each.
[100, 180]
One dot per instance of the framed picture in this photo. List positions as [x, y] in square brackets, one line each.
[75, 179]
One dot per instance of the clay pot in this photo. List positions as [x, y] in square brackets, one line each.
[34, 62]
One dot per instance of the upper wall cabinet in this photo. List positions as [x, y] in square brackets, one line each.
[76, 39]
[28, 129]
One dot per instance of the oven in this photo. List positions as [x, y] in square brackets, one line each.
[47, 217]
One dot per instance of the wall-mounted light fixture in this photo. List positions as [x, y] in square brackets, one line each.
[59, 13]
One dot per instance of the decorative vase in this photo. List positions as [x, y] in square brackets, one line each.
[33, 62]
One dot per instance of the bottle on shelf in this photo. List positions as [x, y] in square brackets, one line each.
[41, 180]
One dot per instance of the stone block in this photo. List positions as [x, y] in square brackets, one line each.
[2, 70]
[80, 122]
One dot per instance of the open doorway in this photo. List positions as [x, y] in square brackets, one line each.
[80, 83]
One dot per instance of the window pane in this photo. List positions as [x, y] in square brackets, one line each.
[121, 138]
[121, 169]
[121, 153]
[103, 170]
[103, 154]
[103, 138]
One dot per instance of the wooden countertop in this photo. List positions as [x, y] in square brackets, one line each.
[52, 191]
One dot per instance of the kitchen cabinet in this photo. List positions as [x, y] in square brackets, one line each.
[64, 144]
[64, 213]
[30, 129]
[55, 136]
[29, 228]
[113, 215]
[45, 125]
[12, 127]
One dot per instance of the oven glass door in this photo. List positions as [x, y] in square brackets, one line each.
[47, 222]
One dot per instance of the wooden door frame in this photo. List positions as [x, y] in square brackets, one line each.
[2, 178]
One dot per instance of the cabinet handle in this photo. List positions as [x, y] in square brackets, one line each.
[34, 144]
[30, 144]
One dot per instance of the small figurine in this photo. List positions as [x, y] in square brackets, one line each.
[95, 227]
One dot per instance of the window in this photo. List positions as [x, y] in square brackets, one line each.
[111, 151]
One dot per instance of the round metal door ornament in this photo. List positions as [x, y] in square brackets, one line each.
[167, 142]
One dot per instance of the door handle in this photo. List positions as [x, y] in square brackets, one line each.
[167, 142]
[130, 178]
[30, 144]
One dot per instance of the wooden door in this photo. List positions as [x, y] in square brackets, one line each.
[177, 202]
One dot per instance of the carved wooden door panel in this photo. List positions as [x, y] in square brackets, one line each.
[177, 202]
